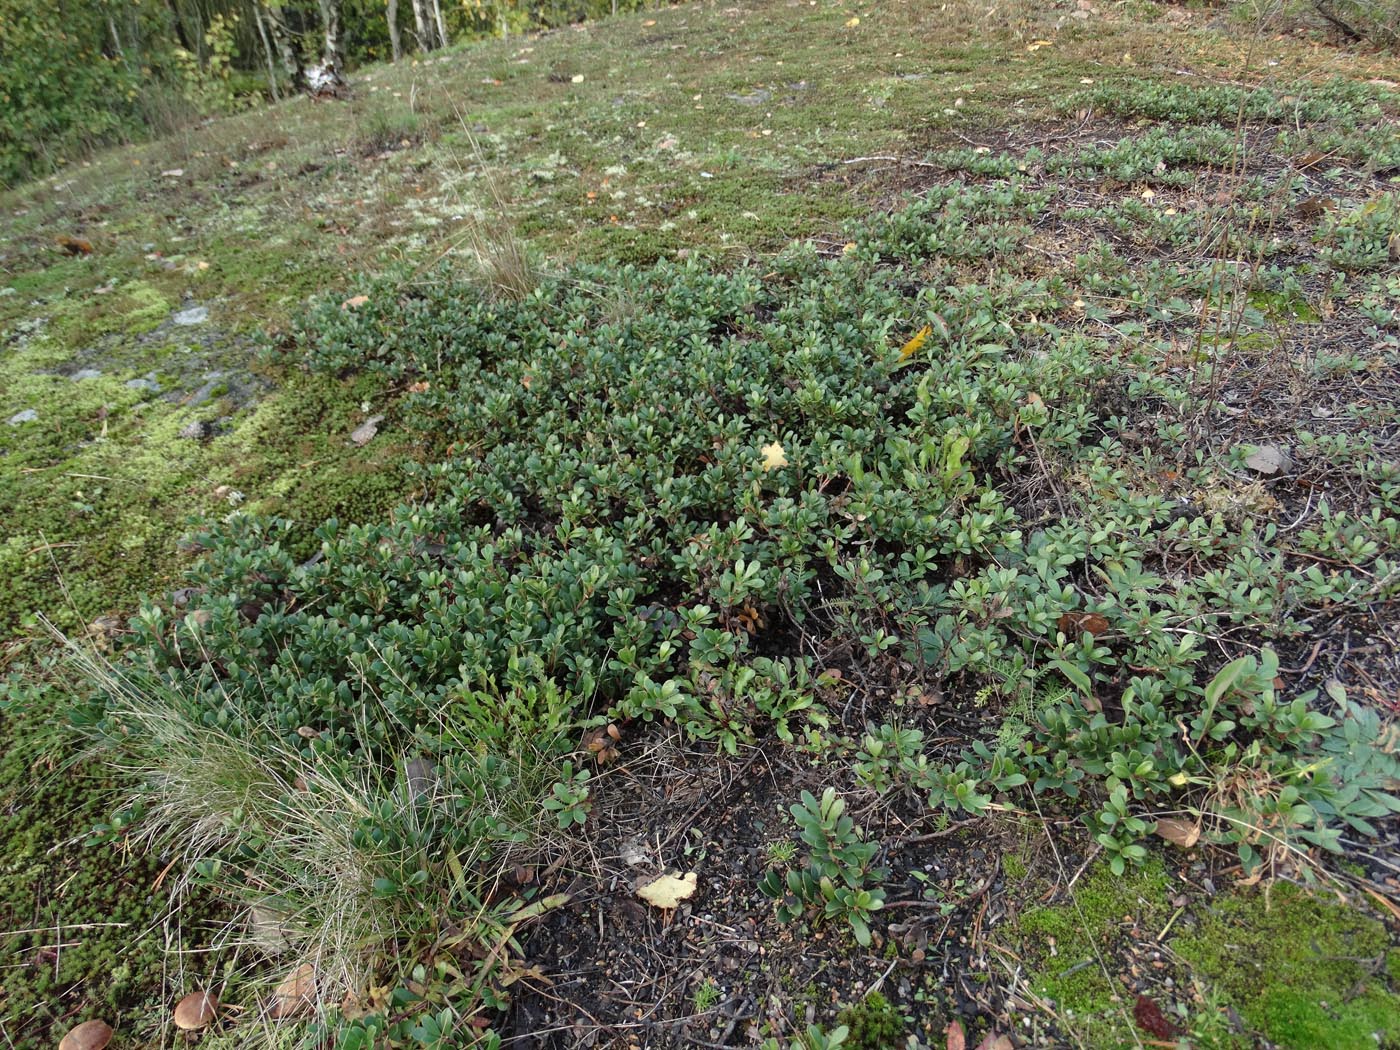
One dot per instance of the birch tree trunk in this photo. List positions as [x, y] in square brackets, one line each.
[441, 25]
[420, 22]
[267, 52]
[395, 43]
[286, 45]
[333, 50]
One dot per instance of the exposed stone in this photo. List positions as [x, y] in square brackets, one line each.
[191, 315]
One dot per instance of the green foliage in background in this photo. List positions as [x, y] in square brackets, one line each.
[61, 91]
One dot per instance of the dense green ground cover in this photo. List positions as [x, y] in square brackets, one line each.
[1022, 575]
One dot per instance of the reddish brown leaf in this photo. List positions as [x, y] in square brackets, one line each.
[957, 1038]
[75, 245]
[1151, 1020]
[1075, 624]
[993, 1041]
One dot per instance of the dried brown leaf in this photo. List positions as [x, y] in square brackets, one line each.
[1269, 459]
[1181, 833]
[295, 995]
[1074, 624]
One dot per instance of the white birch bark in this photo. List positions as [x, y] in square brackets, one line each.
[391, 13]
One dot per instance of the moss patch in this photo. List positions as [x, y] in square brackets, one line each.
[1075, 942]
[83, 928]
[1305, 971]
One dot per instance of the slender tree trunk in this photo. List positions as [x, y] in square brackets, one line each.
[395, 42]
[441, 25]
[179, 22]
[119, 50]
[333, 49]
[286, 45]
[267, 52]
[420, 23]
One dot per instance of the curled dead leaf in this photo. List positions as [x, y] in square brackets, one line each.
[295, 995]
[1269, 459]
[955, 1035]
[1077, 623]
[354, 302]
[1181, 833]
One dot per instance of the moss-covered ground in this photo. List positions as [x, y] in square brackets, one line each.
[725, 131]
[1247, 967]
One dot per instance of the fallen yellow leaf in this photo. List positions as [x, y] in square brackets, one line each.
[1036, 45]
[911, 348]
[773, 456]
[668, 891]
[853, 21]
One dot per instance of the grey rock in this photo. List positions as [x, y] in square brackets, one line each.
[191, 315]
[29, 415]
[197, 430]
[753, 98]
[364, 433]
[143, 383]
[85, 373]
[215, 379]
